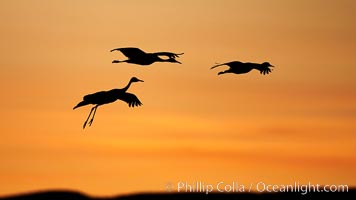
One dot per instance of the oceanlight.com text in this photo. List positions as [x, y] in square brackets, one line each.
[230, 187]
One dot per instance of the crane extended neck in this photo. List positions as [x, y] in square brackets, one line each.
[133, 79]
[127, 86]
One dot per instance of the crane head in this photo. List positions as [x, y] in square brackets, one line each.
[134, 79]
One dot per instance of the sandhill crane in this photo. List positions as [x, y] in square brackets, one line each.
[105, 97]
[137, 56]
[238, 67]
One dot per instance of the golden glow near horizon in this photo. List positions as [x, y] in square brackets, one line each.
[295, 124]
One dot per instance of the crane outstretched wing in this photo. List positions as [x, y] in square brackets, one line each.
[264, 70]
[168, 54]
[130, 99]
[230, 64]
[131, 52]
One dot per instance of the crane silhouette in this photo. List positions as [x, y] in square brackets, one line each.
[106, 97]
[238, 67]
[139, 57]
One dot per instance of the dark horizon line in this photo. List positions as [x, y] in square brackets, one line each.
[63, 194]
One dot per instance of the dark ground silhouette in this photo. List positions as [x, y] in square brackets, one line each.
[139, 57]
[70, 195]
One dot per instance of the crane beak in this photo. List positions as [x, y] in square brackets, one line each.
[140, 80]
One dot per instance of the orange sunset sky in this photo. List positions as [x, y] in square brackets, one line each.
[296, 124]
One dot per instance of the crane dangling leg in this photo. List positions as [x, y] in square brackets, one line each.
[86, 121]
[92, 118]
[119, 61]
[218, 65]
[224, 72]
